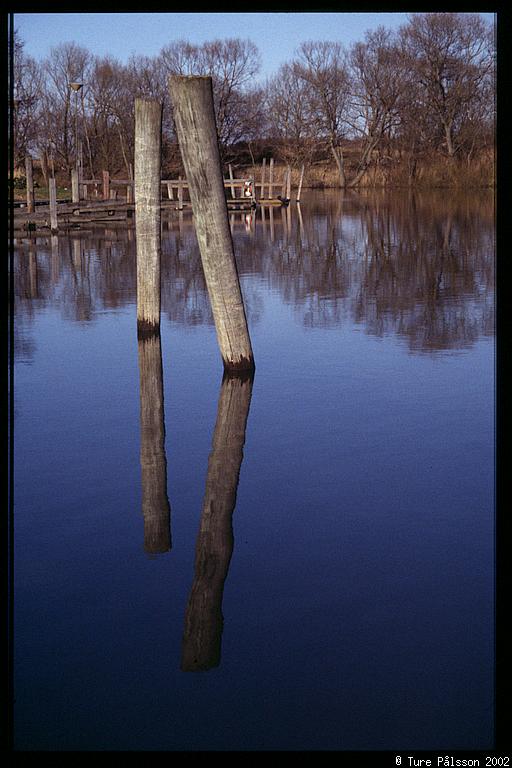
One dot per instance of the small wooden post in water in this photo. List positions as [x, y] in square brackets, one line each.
[271, 177]
[262, 187]
[192, 99]
[52, 188]
[300, 183]
[30, 183]
[288, 183]
[285, 183]
[180, 194]
[106, 185]
[233, 193]
[148, 131]
[75, 196]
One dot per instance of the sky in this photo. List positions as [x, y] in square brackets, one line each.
[276, 35]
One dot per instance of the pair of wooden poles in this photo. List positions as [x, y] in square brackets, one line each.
[192, 100]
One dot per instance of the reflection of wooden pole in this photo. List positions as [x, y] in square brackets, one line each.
[148, 128]
[54, 273]
[192, 99]
[214, 546]
[153, 463]
[32, 271]
[301, 224]
[29, 174]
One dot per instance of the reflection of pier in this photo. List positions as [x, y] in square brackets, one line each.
[203, 618]
[155, 503]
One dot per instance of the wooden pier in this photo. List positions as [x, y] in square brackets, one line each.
[108, 199]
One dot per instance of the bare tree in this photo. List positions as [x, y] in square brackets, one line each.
[323, 68]
[377, 88]
[66, 64]
[451, 55]
[288, 113]
[26, 88]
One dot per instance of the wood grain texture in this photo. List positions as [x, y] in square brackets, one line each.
[194, 116]
[148, 132]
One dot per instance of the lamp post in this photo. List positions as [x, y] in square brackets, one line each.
[76, 87]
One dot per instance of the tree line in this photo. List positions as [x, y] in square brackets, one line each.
[385, 107]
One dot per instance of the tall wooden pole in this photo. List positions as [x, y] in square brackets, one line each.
[75, 195]
[300, 183]
[155, 503]
[29, 174]
[202, 635]
[148, 132]
[288, 183]
[53, 205]
[106, 185]
[262, 187]
[271, 177]
[192, 99]
[233, 193]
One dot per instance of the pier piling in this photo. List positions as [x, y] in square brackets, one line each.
[30, 183]
[192, 99]
[148, 136]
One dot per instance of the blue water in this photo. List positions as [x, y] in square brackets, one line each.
[358, 603]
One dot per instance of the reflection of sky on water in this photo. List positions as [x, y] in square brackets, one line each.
[357, 609]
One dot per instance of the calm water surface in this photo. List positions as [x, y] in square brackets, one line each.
[302, 561]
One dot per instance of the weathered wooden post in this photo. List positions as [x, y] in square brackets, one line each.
[284, 183]
[288, 194]
[271, 177]
[106, 185]
[52, 188]
[29, 174]
[75, 196]
[192, 99]
[156, 510]
[202, 635]
[300, 183]
[148, 131]
[262, 186]
[170, 194]
[180, 194]
[129, 192]
[233, 192]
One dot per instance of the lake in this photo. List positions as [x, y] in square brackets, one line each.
[302, 560]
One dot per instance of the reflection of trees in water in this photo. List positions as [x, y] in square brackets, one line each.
[418, 265]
